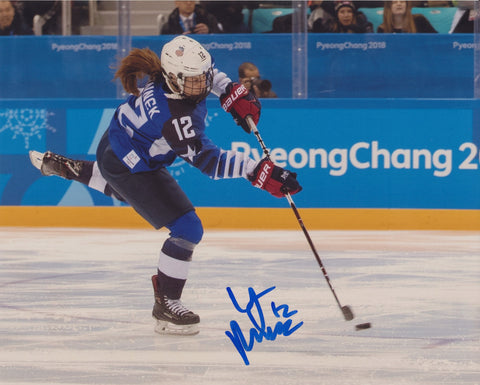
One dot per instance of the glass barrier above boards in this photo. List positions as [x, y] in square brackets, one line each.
[289, 49]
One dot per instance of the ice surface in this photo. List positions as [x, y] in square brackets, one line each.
[75, 308]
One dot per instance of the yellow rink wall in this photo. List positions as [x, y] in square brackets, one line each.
[249, 218]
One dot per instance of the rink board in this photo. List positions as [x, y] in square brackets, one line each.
[383, 156]
[249, 218]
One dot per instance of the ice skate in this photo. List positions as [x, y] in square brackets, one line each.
[172, 316]
[53, 164]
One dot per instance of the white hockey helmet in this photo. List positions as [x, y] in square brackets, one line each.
[184, 58]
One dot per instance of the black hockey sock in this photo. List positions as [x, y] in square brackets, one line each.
[173, 265]
[171, 287]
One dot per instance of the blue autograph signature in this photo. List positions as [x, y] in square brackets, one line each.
[260, 331]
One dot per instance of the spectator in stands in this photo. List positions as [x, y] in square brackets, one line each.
[11, 21]
[320, 15]
[346, 20]
[283, 23]
[249, 76]
[398, 18]
[50, 11]
[464, 18]
[189, 17]
[229, 15]
[320, 11]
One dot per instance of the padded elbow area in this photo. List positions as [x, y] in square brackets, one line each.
[188, 227]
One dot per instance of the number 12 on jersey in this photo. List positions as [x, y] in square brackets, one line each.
[183, 127]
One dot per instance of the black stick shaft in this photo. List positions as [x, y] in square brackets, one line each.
[346, 311]
[312, 246]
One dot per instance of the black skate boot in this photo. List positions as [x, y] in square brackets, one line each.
[54, 164]
[171, 315]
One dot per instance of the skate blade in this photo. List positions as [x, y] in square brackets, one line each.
[36, 158]
[165, 327]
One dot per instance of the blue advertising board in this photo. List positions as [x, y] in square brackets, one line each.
[348, 153]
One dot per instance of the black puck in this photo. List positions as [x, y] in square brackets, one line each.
[366, 325]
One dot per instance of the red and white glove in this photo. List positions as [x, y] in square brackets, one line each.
[240, 103]
[276, 180]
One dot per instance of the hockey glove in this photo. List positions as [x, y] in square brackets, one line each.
[276, 180]
[240, 103]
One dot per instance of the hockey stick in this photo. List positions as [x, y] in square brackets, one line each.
[346, 310]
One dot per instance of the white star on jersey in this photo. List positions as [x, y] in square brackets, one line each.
[190, 153]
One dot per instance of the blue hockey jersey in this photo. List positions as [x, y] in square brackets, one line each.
[149, 131]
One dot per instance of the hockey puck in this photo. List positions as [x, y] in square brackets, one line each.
[366, 325]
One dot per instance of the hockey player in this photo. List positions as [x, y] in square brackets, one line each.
[148, 131]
